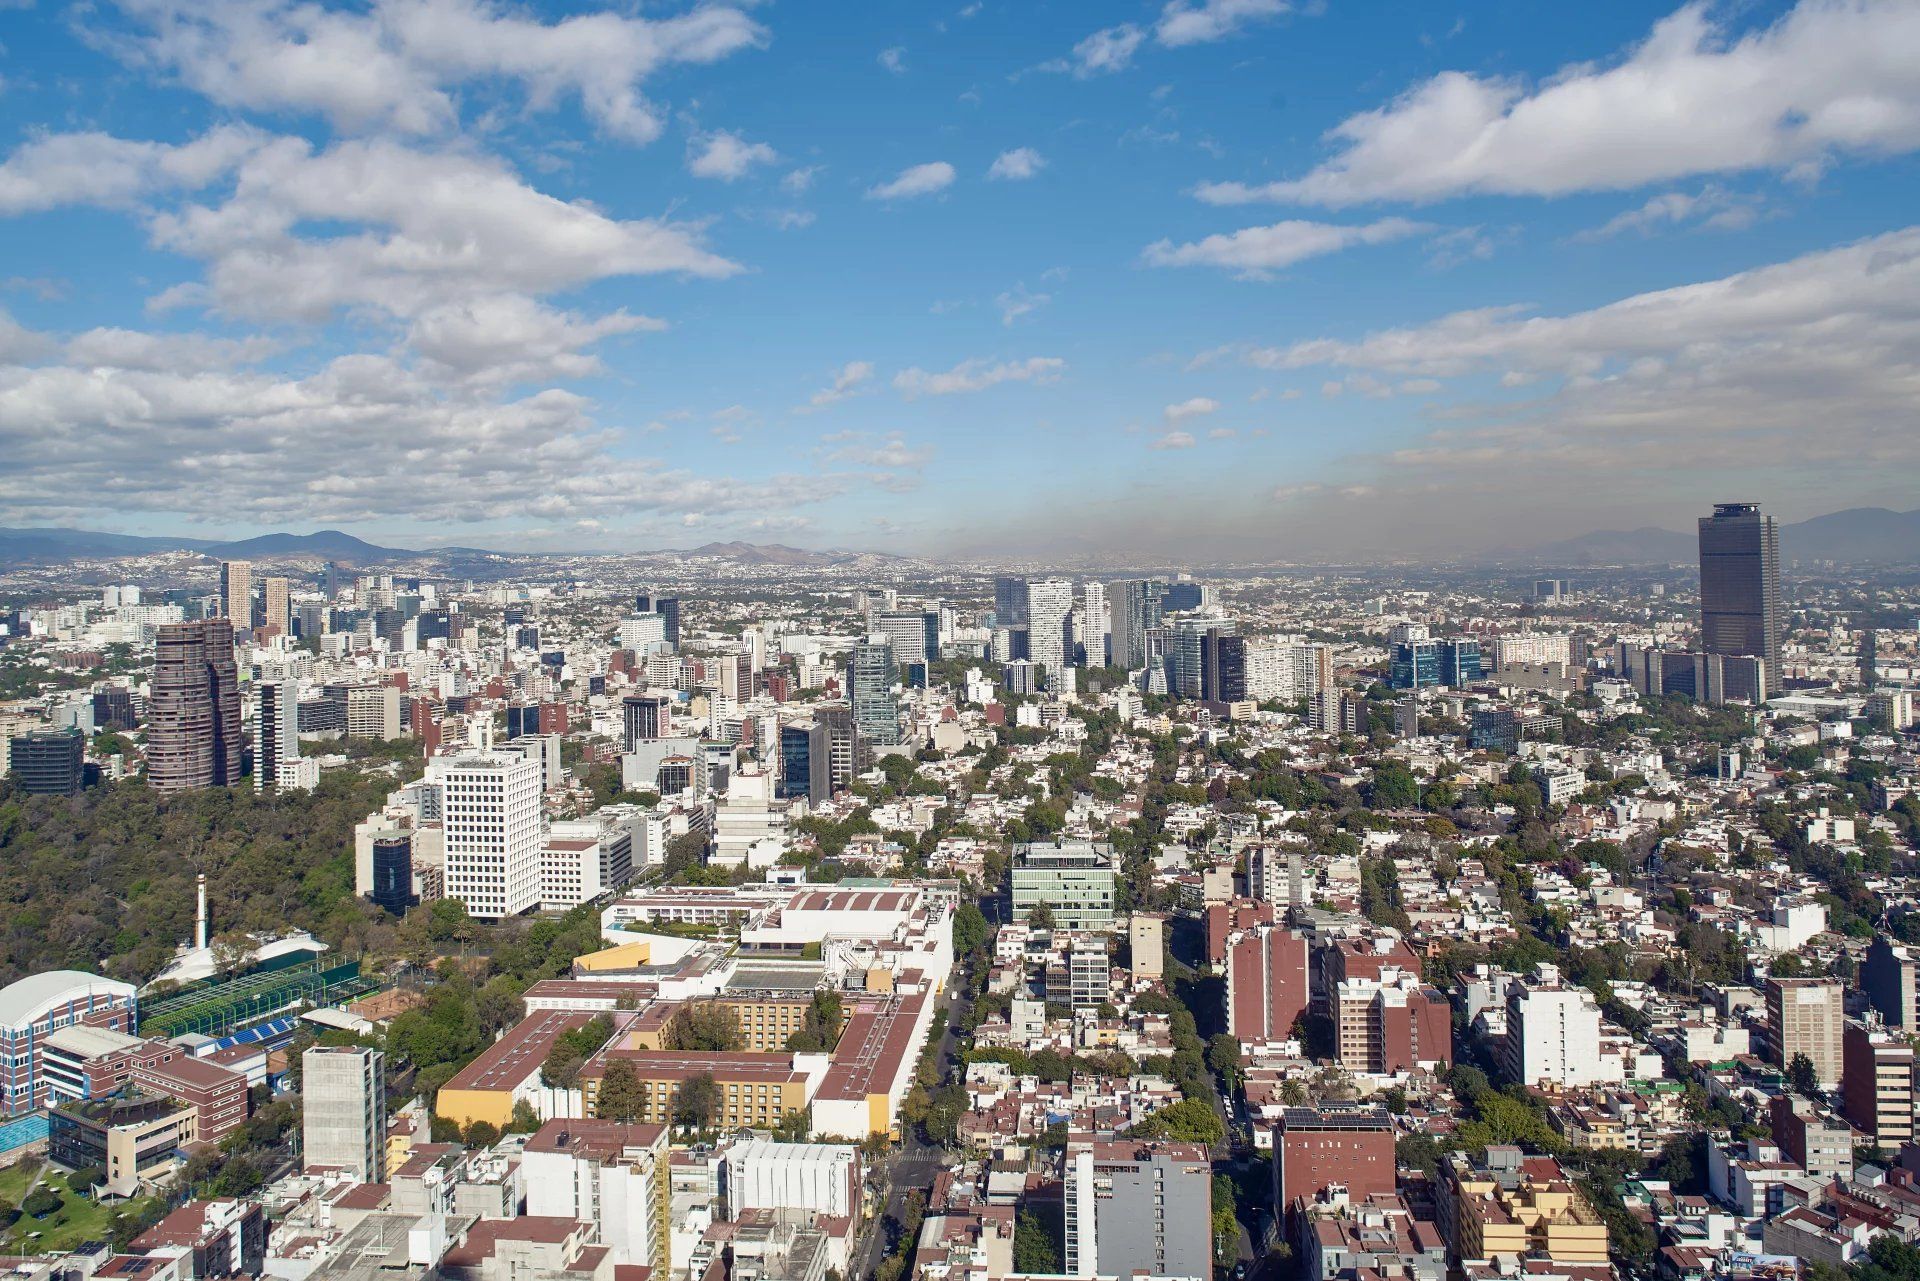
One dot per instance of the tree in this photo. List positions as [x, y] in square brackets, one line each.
[970, 929]
[1035, 1248]
[1188, 1121]
[482, 1134]
[704, 1027]
[697, 1102]
[525, 1119]
[621, 1097]
[1041, 917]
[1803, 1078]
[39, 1203]
[1223, 1056]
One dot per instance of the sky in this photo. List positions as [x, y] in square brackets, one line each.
[1241, 279]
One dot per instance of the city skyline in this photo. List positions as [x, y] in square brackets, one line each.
[503, 277]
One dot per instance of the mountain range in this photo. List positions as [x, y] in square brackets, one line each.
[1858, 535]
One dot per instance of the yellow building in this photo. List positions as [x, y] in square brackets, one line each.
[1509, 1206]
[756, 1090]
[767, 1021]
[616, 959]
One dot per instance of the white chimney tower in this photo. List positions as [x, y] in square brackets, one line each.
[200, 922]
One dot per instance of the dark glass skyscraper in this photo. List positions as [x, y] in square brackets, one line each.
[1010, 602]
[1740, 586]
[870, 677]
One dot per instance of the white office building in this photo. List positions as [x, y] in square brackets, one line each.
[1553, 1034]
[818, 1178]
[276, 735]
[491, 808]
[1049, 607]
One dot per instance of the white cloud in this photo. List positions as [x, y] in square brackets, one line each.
[1174, 440]
[52, 170]
[1102, 53]
[1712, 206]
[1019, 301]
[847, 382]
[511, 339]
[382, 225]
[891, 453]
[726, 156]
[894, 59]
[1222, 433]
[1197, 407]
[132, 349]
[1184, 24]
[1832, 77]
[1017, 164]
[1257, 251]
[977, 375]
[796, 182]
[919, 180]
[395, 64]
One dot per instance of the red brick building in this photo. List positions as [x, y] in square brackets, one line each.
[1314, 1149]
[1266, 983]
[1223, 919]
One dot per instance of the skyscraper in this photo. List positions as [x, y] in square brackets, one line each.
[1134, 608]
[645, 717]
[1740, 586]
[276, 731]
[275, 614]
[870, 676]
[236, 592]
[1098, 624]
[49, 762]
[193, 726]
[1050, 613]
[1009, 602]
[668, 607]
[806, 759]
[914, 634]
[491, 803]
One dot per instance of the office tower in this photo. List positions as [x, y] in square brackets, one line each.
[492, 829]
[914, 634]
[193, 715]
[113, 709]
[1806, 1017]
[343, 1110]
[643, 603]
[1891, 979]
[1876, 1082]
[48, 762]
[276, 616]
[330, 581]
[1391, 1023]
[1740, 586]
[1267, 983]
[848, 754]
[1010, 605]
[1191, 653]
[870, 677]
[1074, 882]
[373, 711]
[1223, 666]
[276, 731]
[1138, 1208]
[645, 717]
[1098, 623]
[1133, 608]
[236, 593]
[806, 762]
[668, 607]
[643, 633]
[393, 872]
[1049, 613]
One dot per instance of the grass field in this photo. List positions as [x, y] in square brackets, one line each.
[78, 1218]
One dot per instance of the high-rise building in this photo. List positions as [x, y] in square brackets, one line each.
[806, 762]
[1138, 1207]
[276, 731]
[1267, 983]
[1223, 667]
[343, 1110]
[1146, 944]
[193, 721]
[48, 762]
[1049, 626]
[1740, 585]
[491, 823]
[1074, 882]
[645, 717]
[1009, 602]
[1133, 608]
[1553, 1033]
[236, 593]
[870, 678]
[1807, 1017]
[668, 607]
[1098, 624]
[1392, 1023]
[1316, 1149]
[848, 754]
[275, 614]
[914, 634]
[1890, 977]
[1877, 1085]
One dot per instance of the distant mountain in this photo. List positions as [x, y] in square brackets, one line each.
[1859, 535]
[51, 546]
[328, 544]
[768, 554]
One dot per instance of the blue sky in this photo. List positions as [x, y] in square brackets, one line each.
[1203, 278]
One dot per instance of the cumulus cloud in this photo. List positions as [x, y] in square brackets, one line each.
[1259, 251]
[396, 64]
[1017, 164]
[1197, 407]
[513, 339]
[977, 375]
[1174, 440]
[1830, 78]
[52, 170]
[375, 223]
[849, 381]
[1184, 24]
[726, 156]
[890, 453]
[918, 180]
[1102, 53]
